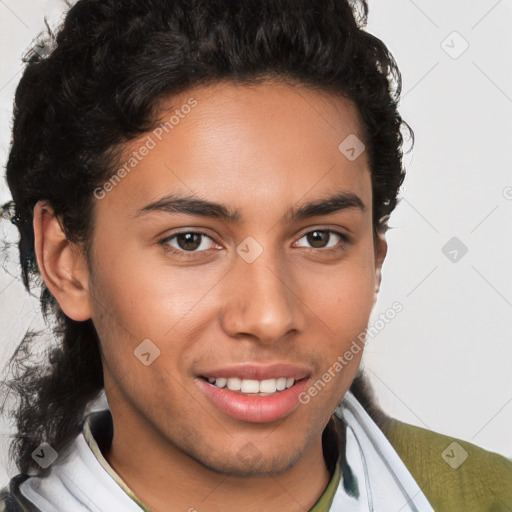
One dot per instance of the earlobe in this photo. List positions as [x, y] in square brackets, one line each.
[381, 250]
[61, 264]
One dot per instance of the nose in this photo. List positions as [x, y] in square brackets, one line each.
[263, 300]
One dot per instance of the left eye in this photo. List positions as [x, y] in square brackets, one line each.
[319, 237]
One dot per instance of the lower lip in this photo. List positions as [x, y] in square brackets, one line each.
[253, 408]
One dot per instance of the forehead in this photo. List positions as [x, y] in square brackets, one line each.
[247, 146]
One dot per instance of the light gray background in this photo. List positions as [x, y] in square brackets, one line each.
[445, 361]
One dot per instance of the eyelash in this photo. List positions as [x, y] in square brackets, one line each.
[180, 253]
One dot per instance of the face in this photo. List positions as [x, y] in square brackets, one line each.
[258, 294]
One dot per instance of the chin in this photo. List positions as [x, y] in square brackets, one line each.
[249, 461]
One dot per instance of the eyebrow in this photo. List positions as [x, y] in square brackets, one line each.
[173, 203]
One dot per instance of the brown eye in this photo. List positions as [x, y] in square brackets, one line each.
[191, 242]
[188, 241]
[320, 238]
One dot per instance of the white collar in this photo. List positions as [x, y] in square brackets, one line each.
[382, 479]
[82, 481]
[77, 482]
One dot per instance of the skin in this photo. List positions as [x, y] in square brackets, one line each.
[262, 149]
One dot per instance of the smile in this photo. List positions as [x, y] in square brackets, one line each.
[248, 405]
[253, 387]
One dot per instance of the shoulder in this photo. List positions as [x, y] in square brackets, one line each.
[454, 475]
[11, 499]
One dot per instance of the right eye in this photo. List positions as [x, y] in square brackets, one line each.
[187, 243]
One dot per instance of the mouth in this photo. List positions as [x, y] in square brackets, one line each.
[255, 394]
[252, 387]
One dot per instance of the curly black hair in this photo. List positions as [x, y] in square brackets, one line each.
[97, 83]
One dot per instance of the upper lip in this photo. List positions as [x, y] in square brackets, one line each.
[251, 371]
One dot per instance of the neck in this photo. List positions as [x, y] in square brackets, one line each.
[166, 479]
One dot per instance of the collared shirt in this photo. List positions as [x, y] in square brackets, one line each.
[370, 476]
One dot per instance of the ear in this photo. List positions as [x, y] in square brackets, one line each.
[381, 249]
[61, 263]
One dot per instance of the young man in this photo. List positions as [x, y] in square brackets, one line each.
[203, 188]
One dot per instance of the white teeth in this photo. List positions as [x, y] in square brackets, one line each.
[252, 386]
[281, 383]
[234, 384]
[220, 382]
[268, 386]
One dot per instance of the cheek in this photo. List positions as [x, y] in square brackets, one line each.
[146, 298]
[342, 296]
[138, 299]
[136, 323]
[342, 300]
